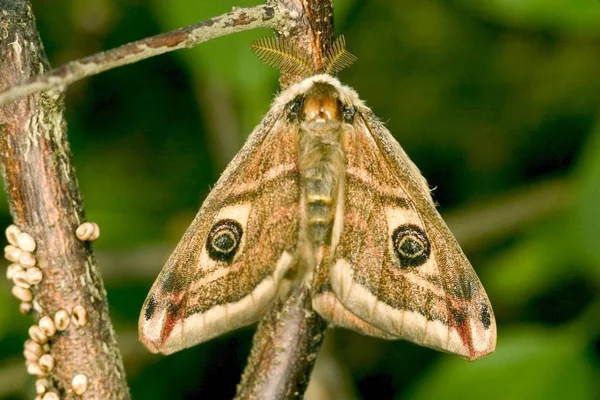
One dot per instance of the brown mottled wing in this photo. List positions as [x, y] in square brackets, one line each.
[397, 271]
[201, 293]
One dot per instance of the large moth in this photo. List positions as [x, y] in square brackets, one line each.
[321, 195]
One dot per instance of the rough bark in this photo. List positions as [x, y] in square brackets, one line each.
[45, 201]
[312, 30]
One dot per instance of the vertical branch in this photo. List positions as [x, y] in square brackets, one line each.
[45, 202]
[284, 350]
[287, 340]
[313, 31]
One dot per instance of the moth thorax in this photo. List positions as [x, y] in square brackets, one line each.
[322, 104]
[322, 109]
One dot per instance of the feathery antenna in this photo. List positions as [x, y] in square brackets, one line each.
[337, 57]
[285, 56]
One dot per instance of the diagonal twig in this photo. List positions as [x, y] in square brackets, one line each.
[240, 19]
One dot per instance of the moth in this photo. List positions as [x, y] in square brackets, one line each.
[321, 195]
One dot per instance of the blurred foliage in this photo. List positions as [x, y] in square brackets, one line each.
[486, 96]
[575, 16]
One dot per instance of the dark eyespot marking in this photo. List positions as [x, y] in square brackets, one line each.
[150, 308]
[348, 113]
[411, 245]
[293, 109]
[484, 316]
[224, 239]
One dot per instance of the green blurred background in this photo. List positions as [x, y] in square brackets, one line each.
[497, 102]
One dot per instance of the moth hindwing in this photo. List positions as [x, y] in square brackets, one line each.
[321, 194]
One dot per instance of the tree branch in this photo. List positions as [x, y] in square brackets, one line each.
[312, 32]
[45, 202]
[287, 340]
[240, 19]
[284, 350]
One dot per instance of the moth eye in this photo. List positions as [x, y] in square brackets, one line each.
[411, 245]
[348, 113]
[224, 240]
[293, 109]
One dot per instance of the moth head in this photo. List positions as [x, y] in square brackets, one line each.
[320, 103]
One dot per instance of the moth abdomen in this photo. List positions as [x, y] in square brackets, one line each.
[319, 211]
[319, 204]
[320, 170]
[320, 232]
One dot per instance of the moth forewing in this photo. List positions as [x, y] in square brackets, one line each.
[228, 267]
[468, 310]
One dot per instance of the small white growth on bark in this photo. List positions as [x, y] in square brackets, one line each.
[47, 326]
[79, 384]
[88, 232]
[36, 334]
[62, 319]
[79, 316]
[46, 363]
